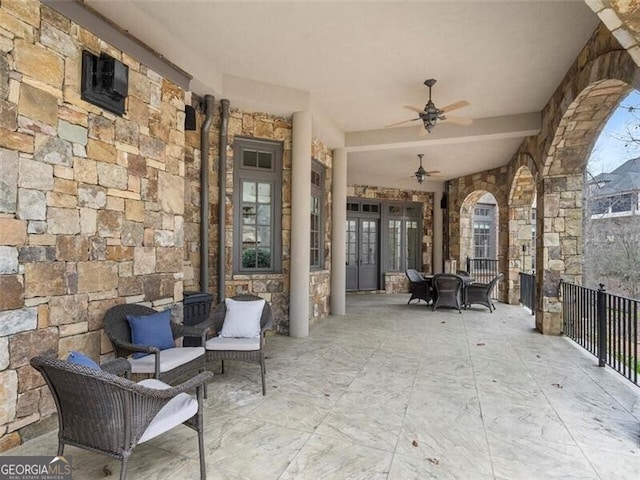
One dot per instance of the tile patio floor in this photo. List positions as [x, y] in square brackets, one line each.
[397, 392]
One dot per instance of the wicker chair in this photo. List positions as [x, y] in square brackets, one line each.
[420, 288]
[480, 293]
[449, 291]
[244, 349]
[102, 412]
[168, 365]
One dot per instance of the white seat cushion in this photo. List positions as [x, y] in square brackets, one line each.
[169, 359]
[178, 410]
[241, 344]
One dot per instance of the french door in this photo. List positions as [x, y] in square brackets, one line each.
[363, 239]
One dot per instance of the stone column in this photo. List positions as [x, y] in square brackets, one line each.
[339, 233]
[300, 224]
[437, 233]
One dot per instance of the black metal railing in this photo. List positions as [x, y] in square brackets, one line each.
[528, 291]
[483, 270]
[606, 325]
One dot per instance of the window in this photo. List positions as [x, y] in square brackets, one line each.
[257, 202]
[533, 238]
[316, 257]
[621, 204]
[484, 231]
[403, 237]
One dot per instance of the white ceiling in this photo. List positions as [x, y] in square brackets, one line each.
[355, 64]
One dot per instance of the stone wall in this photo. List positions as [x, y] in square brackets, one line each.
[320, 281]
[91, 204]
[273, 287]
[396, 282]
[464, 193]
[426, 198]
[571, 122]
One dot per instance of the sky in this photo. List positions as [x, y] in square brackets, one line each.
[610, 151]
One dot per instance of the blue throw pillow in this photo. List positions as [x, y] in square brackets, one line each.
[151, 330]
[81, 359]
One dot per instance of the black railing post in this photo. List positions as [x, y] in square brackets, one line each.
[602, 326]
[469, 265]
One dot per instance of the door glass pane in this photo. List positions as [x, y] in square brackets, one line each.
[368, 242]
[394, 239]
[351, 242]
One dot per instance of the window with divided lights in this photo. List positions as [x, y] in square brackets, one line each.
[257, 199]
[484, 231]
[316, 257]
[403, 237]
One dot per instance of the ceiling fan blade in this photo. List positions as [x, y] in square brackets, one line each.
[431, 172]
[401, 123]
[455, 106]
[414, 109]
[458, 120]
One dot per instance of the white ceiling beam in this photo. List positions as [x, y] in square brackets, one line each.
[494, 128]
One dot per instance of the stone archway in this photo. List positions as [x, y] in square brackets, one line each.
[463, 248]
[560, 196]
[521, 247]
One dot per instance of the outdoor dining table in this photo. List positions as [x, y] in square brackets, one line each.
[466, 279]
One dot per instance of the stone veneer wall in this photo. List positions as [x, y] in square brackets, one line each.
[320, 281]
[464, 193]
[273, 287]
[426, 198]
[91, 204]
[571, 122]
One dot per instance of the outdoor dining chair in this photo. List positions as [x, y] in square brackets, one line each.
[449, 291]
[420, 288]
[480, 293]
[102, 412]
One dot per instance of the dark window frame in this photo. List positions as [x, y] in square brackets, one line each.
[318, 171]
[484, 214]
[271, 176]
[404, 212]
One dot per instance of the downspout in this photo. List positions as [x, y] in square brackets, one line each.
[204, 192]
[222, 197]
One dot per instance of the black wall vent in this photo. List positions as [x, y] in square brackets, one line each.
[189, 117]
[105, 82]
[444, 201]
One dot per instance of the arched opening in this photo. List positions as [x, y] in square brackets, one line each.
[561, 196]
[522, 226]
[612, 203]
[479, 235]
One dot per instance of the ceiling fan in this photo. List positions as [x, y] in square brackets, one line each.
[431, 114]
[421, 173]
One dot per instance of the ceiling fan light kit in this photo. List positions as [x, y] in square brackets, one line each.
[431, 114]
[421, 172]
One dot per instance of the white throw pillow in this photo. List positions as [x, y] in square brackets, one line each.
[242, 319]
